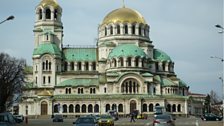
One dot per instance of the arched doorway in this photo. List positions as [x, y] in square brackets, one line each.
[44, 108]
[132, 105]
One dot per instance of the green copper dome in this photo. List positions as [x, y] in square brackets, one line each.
[126, 50]
[160, 55]
[47, 48]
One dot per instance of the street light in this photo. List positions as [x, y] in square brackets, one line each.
[222, 96]
[220, 27]
[7, 19]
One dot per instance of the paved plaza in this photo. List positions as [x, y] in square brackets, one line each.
[126, 122]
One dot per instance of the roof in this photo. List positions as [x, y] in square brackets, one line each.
[164, 81]
[47, 48]
[80, 54]
[45, 3]
[126, 50]
[160, 55]
[182, 83]
[75, 82]
[123, 15]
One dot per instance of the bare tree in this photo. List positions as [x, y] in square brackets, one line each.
[11, 80]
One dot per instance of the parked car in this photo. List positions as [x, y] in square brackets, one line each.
[113, 114]
[4, 124]
[106, 120]
[7, 119]
[19, 118]
[164, 120]
[58, 118]
[86, 121]
[211, 117]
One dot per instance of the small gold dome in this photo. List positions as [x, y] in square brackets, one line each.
[122, 15]
[44, 93]
[45, 3]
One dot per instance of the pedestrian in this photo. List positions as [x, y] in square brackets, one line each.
[132, 117]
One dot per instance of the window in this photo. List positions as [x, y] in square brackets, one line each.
[49, 65]
[49, 79]
[83, 108]
[129, 61]
[36, 80]
[66, 66]
[94, 65]
[72, 66]
[105, 31]
[105, 90]
[150, 107]
[118, 29]
[79, 66]
[133, 29]
[77, 108]
[90, 108]
[71, 108]
[144, 108]
[40, 14]
[125, 29]
[55, 14]
[92, 90]
[43, 65]
[140, 30]
[80, 90]
[120, 108]
[48, 14]
[136, 61]
[96, 108]
[44, 80]
[87, 66]
[111, 30]
[107, 107]
[64, 108]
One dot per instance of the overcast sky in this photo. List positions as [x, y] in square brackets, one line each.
[184, 29]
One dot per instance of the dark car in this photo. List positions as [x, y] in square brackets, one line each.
[7, 119]
[86, 121]
[18, 118]
[211, 117]
[164, 120]
[58, 118]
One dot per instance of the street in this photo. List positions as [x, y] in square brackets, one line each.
[126, 122]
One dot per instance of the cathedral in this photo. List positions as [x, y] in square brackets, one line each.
[123, 72]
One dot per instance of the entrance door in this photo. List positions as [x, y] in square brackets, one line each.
[44, 108]
[132, 106]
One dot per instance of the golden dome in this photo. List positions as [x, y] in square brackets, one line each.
[44, 93]
[122, 15]
[45, 3]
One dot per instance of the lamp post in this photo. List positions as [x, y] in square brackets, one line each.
[7, 19]
[222, 96]
[215, 57]
[220, 27]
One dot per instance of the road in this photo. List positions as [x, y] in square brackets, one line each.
[126, 122]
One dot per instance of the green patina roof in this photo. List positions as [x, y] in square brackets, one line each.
[160, 55]
[75, 82]
[182, 84]
[147, 75]
[80, 54]
[126, 50]
[47, 48]
[113, 74]
[164, 81]
[28, 70]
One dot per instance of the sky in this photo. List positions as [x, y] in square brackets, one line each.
[184, 29]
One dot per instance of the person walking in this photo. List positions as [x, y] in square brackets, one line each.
[132, 117]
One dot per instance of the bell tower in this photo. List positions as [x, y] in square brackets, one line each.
[48, 26]
[48, 35]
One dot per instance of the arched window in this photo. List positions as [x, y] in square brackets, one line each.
[90, 108]
[56, 108]
[136, 61]
[83, 108]
[40, 14]
[140, 30]
[114, 107]
[86, 66]
[130, 86]
[72, 66]
[133, 29]
[157, 104]
[111, 30]
[179, 108]
[77, 108]
[174, 108]
[118, 29]
[107, 107]
[129, 61]
[44, 80]
[105, 31]
[94, 65]
[55, 14]
[64, 108]
[120, 108]
[46, 64]
[43, 65]
[144, 108]
[49, 65]
[49, 79]
[168, 108]
[115, 62]
[71, 108]
[96, 108]
[66, 66]
[48, 13]
[150, 107]
[79, 66]
[121, 60]
[125, 29]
